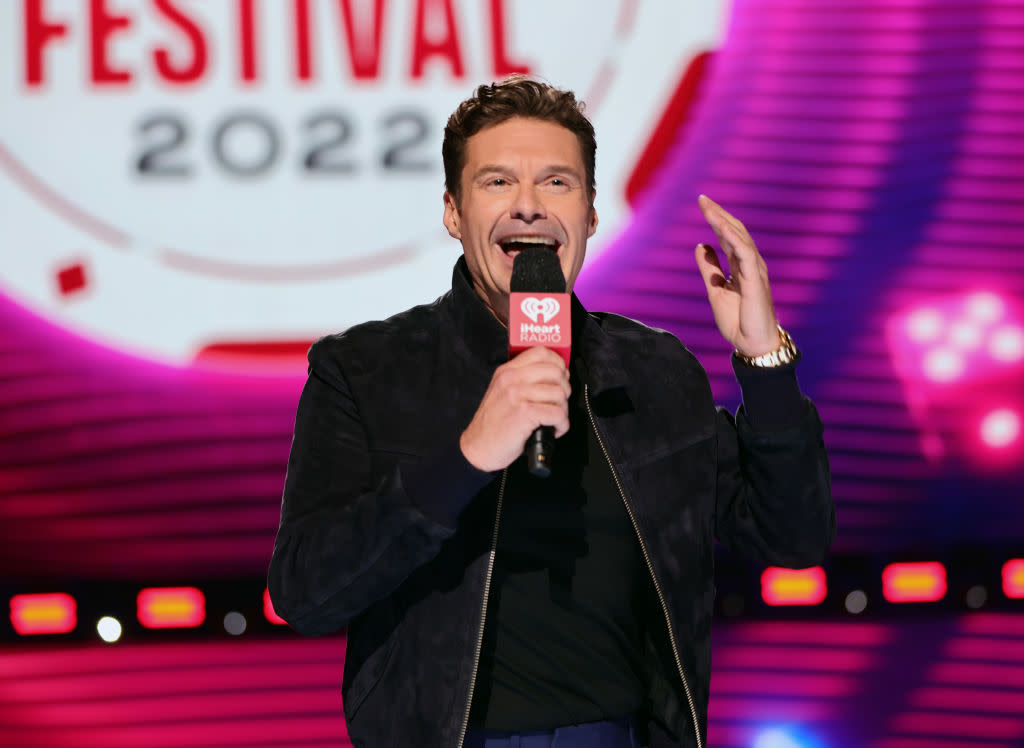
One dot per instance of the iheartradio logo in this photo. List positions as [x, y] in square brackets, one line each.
[536, 309]
[539, 320]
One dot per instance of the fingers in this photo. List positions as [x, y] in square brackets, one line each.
[721, 219]
[529, 391]
[534, 367]
[744, 260]
[556, 417]
[541, 394]
[740, 297]
[710, 268]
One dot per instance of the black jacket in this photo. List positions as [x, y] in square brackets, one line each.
[387, 529]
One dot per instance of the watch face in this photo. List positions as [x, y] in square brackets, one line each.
[179, 176]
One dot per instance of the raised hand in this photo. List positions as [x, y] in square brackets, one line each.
[529, 391]
[741, 298]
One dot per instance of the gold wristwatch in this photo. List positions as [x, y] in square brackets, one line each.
[784, 354]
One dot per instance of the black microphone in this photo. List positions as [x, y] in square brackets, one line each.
[540, 313]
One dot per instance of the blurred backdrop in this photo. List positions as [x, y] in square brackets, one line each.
[191, 192]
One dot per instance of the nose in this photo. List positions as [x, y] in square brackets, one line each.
[527, 204]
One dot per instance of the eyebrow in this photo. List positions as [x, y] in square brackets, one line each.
[550, 168]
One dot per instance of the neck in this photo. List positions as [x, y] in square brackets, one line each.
[497, 306]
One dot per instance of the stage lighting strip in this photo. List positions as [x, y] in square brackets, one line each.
[156, 608]
[922, 682]
[973, 690]
[279, 692]
[127, 465]
[803, 675]
[185, 607]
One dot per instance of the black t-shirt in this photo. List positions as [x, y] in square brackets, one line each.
[563, 639]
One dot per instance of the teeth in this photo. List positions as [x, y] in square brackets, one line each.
[530, 240]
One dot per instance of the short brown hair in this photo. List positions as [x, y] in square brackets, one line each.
[515, 96]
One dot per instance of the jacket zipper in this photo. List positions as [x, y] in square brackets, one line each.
[650, 566]
[483, 610]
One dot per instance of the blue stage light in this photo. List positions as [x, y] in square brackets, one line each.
[785, 737]
[775, 738]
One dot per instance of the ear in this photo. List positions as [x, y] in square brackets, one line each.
[452, 221]
[593, 216]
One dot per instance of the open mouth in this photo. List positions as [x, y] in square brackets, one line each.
[513, 245]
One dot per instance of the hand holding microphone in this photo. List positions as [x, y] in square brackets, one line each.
[529, 391]
[526, 405]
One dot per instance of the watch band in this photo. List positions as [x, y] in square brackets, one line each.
[784, 354]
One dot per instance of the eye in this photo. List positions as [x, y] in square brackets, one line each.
[498, 182]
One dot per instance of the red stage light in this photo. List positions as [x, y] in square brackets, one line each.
[914, 582]
[268, 609]
[51, 613]
[171, 607]
[793, 587]
[1013, 578]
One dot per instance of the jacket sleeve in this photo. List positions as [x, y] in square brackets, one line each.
[774, 497]
[351, 532]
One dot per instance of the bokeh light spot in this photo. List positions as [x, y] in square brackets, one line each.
[943, 365]
[235, 623]
[775, 738]
[109, 629]
[976, 597]
[1000, 428]
[1007, 344]
[856, 602]
[965, 335]
[1013, 578]
[985, 307]
[924, 325]
[914, 582]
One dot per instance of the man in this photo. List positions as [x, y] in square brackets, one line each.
[486, 606]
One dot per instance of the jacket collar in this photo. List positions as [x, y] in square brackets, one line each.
[598, 351]
[479, 331]
[486, 339]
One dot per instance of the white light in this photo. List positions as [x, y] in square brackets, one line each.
[235, 623]
[109, 629]
[985, 307]
[965, 335]
[943, 365]
[924, 325]
[856, 602]
[1000, 428]
[1007, 344]
[775, 739]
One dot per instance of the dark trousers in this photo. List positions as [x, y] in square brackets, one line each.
[608, 734]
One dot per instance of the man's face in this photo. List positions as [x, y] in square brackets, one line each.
[523, 182]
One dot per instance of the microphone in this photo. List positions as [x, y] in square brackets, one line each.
[539, 313]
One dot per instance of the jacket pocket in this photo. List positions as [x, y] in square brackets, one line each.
[668, 451]
[370, 645]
